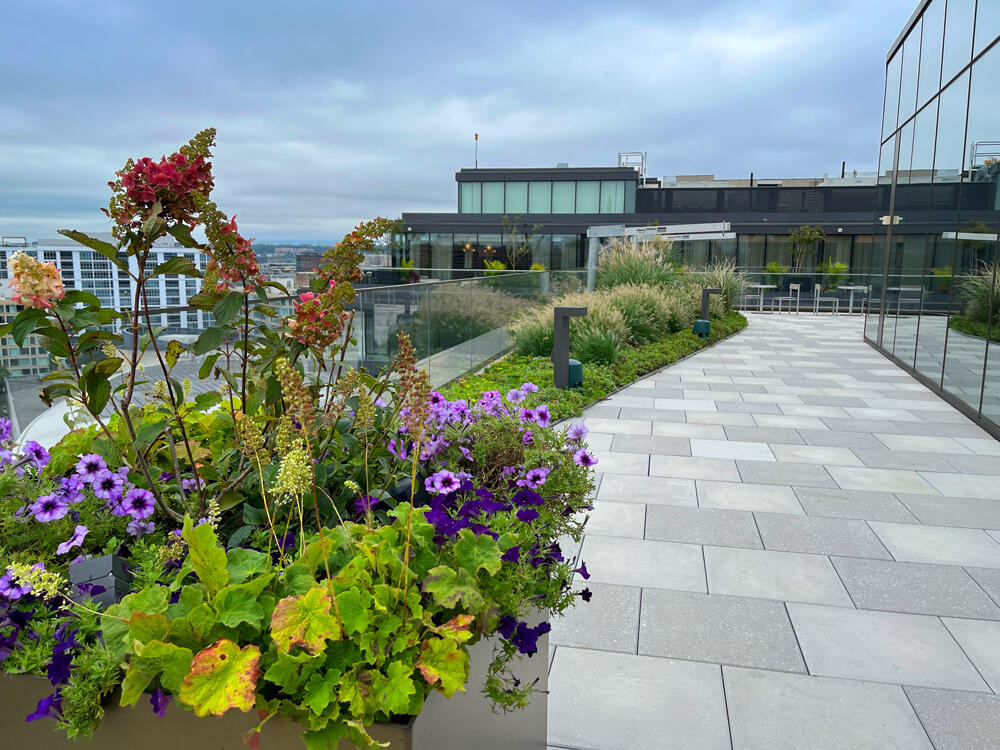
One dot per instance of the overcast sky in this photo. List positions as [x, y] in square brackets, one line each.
[332, 112]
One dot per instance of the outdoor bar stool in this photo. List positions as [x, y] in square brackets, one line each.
[817, 301]
[789, 299]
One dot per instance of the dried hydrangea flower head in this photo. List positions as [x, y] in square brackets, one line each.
[35, 284]
[415, 387]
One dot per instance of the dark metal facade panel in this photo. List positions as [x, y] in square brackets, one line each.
[547, 174]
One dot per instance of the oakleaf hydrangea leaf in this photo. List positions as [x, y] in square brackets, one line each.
[475, 552]
[222, 676]
[206, 557]
[444, 664]
[304, 621]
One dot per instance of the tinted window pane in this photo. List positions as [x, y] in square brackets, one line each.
[984, 118]
[539, 197]
[563, 197]
[957, 36]
[908, 82]
[588, 197]
[951, 132]
[891, 94]
[492, 197]
[612, 197]
[987, 27]
[630, 197]
[694, 200]
[517, 197]
[471, 198]
[564, 250]
[930, 52]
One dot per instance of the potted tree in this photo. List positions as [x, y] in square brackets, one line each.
[802, 244]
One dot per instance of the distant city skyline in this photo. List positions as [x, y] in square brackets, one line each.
[331, 114]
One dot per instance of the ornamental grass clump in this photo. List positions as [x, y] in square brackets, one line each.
[652, 262]
[729, 279]
[981, 292]
[278, 564]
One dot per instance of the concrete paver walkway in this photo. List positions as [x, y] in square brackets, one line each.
[794, 545]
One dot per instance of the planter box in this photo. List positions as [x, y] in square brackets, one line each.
[466, 721]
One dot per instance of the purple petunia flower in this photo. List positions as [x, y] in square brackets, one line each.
[543, 418]
[139, 528]
[71, 489]
[139, 503]
[515, 396]
[49, 706]
[511, 555]
[535, 478]
[159, 701]
[11, 590]
[582, 458]
[444, 482]
[365, 503]
[106, 484]
[529, 387]
[527, 415]
[582, 570]
[48, 508]
[527, 438]
[166, 476]
[36, 453]
[5, 429]
[577, 432]
[527, 515]
[74, 541]
[506, 626]
[191, 484]
[586, 595]
[89, 467]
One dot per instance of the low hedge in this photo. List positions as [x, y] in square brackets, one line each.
[598, 380]
[974, 328]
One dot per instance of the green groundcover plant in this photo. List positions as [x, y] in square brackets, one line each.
[305, 542]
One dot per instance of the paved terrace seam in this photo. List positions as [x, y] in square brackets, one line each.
[793, 544]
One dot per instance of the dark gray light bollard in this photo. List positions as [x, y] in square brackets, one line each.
[560, 343]
[702, 328]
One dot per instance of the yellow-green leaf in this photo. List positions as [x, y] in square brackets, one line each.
[205, 555]
[444, 665]
[222, 676]
[304, 621]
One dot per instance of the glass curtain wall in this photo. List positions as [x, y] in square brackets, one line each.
[935, 287]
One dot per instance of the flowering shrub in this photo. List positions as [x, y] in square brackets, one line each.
[312, 543]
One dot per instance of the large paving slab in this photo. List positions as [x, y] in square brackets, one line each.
[794, 544]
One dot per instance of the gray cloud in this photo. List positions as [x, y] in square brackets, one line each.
[330, 113]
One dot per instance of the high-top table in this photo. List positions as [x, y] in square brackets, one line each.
[761, 287]
[852, 290]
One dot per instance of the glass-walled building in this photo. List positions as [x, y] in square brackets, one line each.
[540, 216]
[935, 284]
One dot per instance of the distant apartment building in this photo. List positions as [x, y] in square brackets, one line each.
[17, 361]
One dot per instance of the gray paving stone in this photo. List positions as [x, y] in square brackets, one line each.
[599, 442]
[689, 430]
[938, 429]
[988, 579]
[788, 576]
[739, 407]
[916, 588]
[603, 410]
[614, 701]
[731, 449]
[840, 439]
[783, 435]
[634, 562]
[848, 424]
[880, 480]
[720, 629]
[900, 459]
[655, 415]
[980, 639]
[788, 474]
[922, 443]
[608, 622]
[619, 426]
[938, 544]
[935, 510]
[616, 519]
[983, 446]
[876, 506]
[667, 446]
[682, 467]
[821, 400]
[746, 496]
[776, 711]
[788, 421]
[964, 485]
[633, 464]
[819, 535]
[881, 647]
[724, 528]
[816, 454]
[973, 464]
[720, 418]
[956, 720]
[651, 490]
